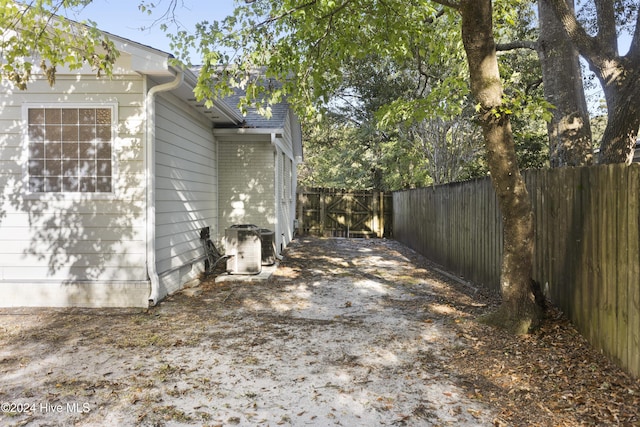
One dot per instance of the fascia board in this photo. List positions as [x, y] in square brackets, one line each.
[247, 131]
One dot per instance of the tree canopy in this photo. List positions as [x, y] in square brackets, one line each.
[395, 68]
[314, 55]
[37, 32]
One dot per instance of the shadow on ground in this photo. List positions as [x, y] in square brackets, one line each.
[346, 332]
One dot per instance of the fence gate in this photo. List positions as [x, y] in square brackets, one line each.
[339, 213]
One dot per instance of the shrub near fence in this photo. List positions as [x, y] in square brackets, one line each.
[587, 244]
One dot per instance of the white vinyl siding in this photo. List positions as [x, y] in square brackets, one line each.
[286, 217]
[186, 196]
[288, 178]
[58, 240]
[258, 181]
[246, 181]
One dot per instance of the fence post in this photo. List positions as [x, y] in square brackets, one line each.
[300, 218]
[322, 208]
[381, 214]
[375, 209]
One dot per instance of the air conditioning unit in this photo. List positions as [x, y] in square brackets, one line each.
[268, 246]
[243, 245]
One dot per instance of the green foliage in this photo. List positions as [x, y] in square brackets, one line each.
[341, 154]
[335, 158]
[385, 69]
[408, 141]
[306, 45]
[392, 74]
[523, 98]
[399, 99]
[35, 38]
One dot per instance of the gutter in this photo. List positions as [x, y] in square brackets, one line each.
[248, 131]
[230, 113]
[150, 107]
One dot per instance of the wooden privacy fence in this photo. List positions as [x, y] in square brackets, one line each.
[340, 213]
[587, 253]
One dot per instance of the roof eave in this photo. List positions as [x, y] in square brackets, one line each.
[247, 131]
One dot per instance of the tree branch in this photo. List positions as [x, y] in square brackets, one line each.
[335, 11]
[533, 85]
[606, 17]
[454, 4]
[438, 15]
[518, 44]
[634, 50]
[587, 46]
[284, 14]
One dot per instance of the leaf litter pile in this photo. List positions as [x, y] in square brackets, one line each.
[346, 332]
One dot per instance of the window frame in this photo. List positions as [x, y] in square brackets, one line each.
[26, 153]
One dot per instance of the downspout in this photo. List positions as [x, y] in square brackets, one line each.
[150, 107]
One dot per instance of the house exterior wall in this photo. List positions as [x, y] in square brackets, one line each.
[74, 249]
[286, 181]
[186, 191]
[246, 182]
[258, 181]
[289, 184]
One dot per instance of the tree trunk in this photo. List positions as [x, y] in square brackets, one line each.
[618, 75]
[623, 104]
[518, 312]
[569, 130]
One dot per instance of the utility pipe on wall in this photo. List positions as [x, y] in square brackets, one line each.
[150, 107]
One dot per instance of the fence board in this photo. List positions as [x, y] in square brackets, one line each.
[596, 256]
[633, 270]
[622, 262]
[586, 248]
[340, 213]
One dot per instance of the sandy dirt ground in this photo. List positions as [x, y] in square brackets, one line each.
[346, 332]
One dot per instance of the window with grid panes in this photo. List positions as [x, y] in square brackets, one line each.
[70, 150]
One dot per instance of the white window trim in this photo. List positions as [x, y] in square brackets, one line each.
[69, 195]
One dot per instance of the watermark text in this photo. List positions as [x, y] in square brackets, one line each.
[45, 407]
